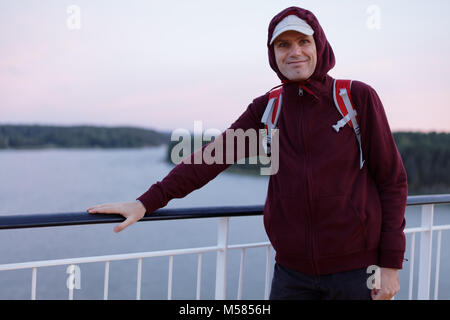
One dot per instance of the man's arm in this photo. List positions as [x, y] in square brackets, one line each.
[188, 176]
[386, 168]
[185, 177]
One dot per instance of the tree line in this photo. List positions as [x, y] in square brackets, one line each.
[426, 157]
[40, 136]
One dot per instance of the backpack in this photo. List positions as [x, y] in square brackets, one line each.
[342, 101]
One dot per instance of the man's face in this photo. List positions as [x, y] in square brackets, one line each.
[296, 55]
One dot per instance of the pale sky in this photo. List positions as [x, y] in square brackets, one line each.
[165, 64]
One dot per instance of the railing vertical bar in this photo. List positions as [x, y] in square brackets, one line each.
[241, 274]
[426, 240]
[169, 290]
[105, 287]
[221, 264]
[71, 284]
[139, 279]
[266, 289]
[199, 275]
[411, 263]
[438, 263]
[33, 283]
[72, 267]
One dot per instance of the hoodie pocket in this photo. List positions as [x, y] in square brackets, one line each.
[286, 225]
[340, 227]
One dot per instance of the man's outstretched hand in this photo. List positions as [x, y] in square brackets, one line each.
[132, 211]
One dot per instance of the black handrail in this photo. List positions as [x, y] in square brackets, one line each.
[79, 218]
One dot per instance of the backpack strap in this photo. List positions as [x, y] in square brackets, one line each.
[345, 106]
[270, 117]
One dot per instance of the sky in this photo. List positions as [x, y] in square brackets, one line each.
[165, 64]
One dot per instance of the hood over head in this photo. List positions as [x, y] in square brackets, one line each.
[325, 55]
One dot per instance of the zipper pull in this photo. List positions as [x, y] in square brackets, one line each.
[300, 91]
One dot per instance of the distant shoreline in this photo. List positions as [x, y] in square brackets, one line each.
[426, 156]
[38, 136]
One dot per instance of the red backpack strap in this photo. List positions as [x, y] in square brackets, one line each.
[344, 104]
[271, 115]
[343, 87]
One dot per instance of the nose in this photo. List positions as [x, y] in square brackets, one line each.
[296, 50]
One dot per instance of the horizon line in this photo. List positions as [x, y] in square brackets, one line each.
[172, 129]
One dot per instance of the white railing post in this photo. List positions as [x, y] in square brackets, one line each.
[411, 270]
[266, 289]
[139, 279]
[106, 285]
[426, 238]
[241, 274]
[33, 283]
[221, 264]
[199, 275]
[438, 264]
[170, 281]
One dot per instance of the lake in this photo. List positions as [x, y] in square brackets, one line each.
[66, 180]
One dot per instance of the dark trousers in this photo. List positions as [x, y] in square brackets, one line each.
[288, 284]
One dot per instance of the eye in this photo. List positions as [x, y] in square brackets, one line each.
[304, 41]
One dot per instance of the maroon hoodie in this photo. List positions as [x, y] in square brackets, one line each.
[323, 214]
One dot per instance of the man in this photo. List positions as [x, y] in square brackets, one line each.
[327, 218]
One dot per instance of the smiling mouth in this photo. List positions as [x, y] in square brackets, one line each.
[297, 62]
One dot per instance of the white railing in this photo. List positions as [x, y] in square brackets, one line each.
[222, 247]
[425, 258]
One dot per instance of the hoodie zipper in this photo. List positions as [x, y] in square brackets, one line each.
[308, 215]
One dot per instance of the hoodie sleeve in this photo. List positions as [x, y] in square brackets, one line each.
[188, 176]
[386, 168]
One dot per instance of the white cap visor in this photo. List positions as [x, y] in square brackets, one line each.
[294, 23]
